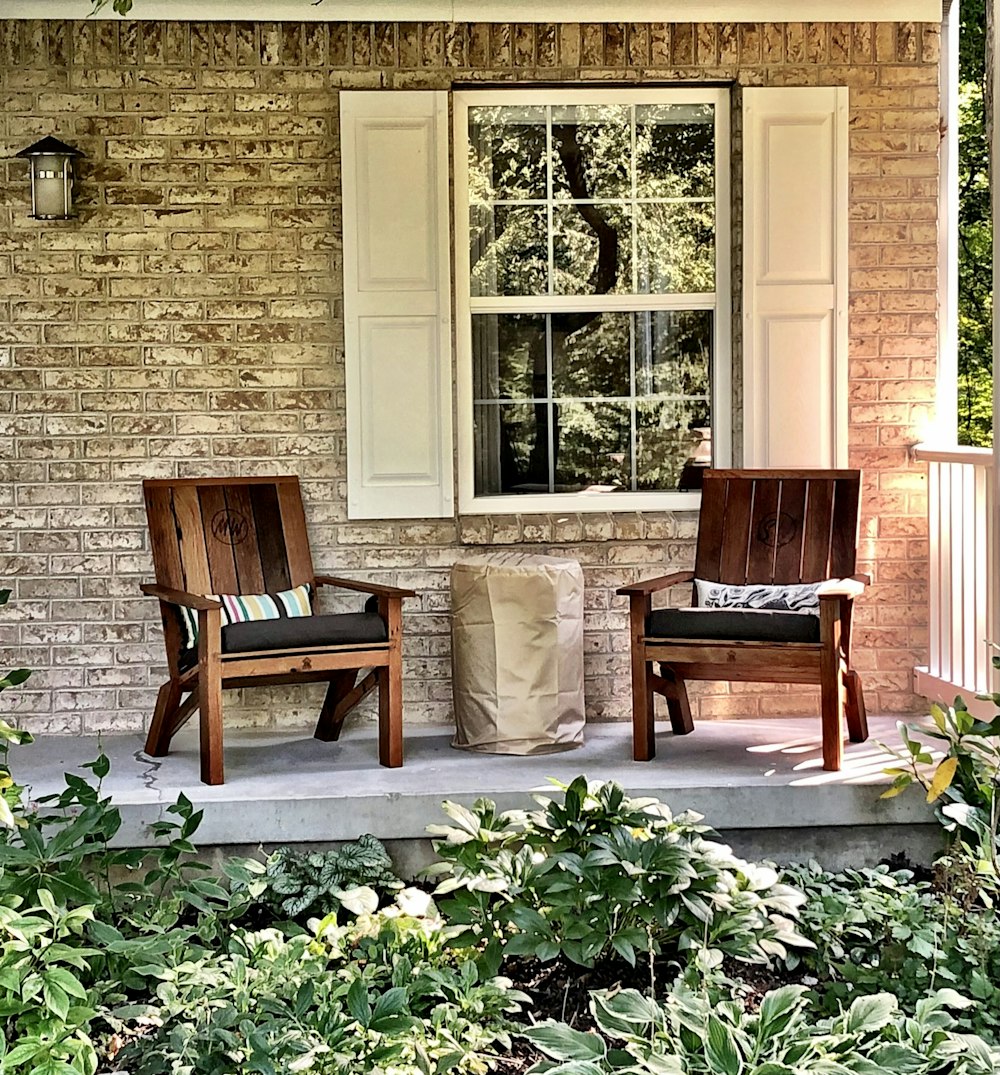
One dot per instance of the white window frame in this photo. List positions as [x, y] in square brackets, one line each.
[720, 303]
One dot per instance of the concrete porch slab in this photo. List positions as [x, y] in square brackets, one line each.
[760, 782]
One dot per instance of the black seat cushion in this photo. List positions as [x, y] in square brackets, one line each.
[346, 628]
[733, 625]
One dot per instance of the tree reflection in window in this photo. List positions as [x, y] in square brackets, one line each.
[591, 201]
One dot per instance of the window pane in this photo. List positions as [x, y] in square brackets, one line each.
[592, 249]
[591, 354]
[506, 153]
[509, 356]
[508, 250]
[672, 352]
[591, 201]
[675, 247]
[593, 446]
[512, 448]
[675, 151]
[673, 444]
[591, 151]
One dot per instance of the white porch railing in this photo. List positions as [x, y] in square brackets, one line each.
[963, 600]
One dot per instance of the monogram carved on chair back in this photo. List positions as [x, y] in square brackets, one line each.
[772, 526]
[228, 535]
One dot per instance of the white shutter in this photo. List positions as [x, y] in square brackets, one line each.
[397, 304]
[795, 277]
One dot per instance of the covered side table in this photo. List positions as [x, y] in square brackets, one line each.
[517, 653]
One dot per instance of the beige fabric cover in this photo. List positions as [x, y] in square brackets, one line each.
[517, 653]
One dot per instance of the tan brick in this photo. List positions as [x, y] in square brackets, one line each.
[916, 254]
[925, 75]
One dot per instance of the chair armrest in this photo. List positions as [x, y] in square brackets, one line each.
[652, 585]
[363, 587]
[180, 597]
[851, 587]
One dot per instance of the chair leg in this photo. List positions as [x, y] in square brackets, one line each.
[833, 695]
[210, 716]
[161, 728]
[390, 712]
[678, 707]
[210, 696]
[643, 723]
[857, 715]
[328, 726]
[390, 686]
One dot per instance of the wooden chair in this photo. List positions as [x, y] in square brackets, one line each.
[248, 536]
[758, 527]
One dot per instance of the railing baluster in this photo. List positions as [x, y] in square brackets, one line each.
[936, 625]
[962, 591]
[948, 671]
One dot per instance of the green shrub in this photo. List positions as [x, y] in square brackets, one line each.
[382, 993]
[691, 1035]
[600, 874]
[880, 930]
[46, 1011]
[964, 783]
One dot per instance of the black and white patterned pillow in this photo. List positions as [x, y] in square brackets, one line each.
[802, 597]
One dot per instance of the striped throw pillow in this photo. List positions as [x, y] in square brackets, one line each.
[238, 608]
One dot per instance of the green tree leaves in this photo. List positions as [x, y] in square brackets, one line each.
[975, 236]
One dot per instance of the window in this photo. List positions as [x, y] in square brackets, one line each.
[592, 276]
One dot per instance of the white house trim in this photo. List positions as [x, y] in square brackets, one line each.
[491, 11]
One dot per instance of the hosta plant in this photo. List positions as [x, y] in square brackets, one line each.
[380, 994]
[882, 930]
[596, 874]
[689, 1035]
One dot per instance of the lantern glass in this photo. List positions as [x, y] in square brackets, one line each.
[52, 185]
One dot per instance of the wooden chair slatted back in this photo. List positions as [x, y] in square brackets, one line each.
[228, 535]
[778, 527]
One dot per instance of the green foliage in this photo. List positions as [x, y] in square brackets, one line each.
[691, 1035]
[880, 930]
[138, 960]
[75, 937]
[380, 994]
[975, 235]
[119, 7]
[156, 974]
[10, 793]
[46, 1011]
[964, 780]
[600, 874]
[304, 883]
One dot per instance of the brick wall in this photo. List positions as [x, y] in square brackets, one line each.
[190, 322]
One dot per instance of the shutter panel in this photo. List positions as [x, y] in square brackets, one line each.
[795, 277]
[397, 313]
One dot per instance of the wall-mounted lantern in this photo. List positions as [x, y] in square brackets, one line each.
[51, 178]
